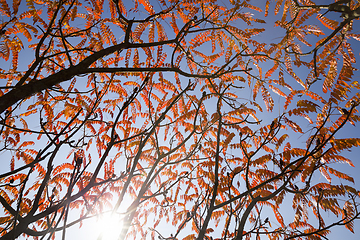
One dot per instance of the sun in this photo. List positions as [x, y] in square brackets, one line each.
[108, 226]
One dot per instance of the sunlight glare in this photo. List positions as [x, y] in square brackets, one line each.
[109, 226]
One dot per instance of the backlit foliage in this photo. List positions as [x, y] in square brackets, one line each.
[187, 119]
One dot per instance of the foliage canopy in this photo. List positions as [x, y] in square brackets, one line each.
[184, 119]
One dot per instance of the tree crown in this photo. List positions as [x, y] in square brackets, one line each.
[216, 119]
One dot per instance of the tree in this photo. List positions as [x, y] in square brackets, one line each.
[163, 113]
